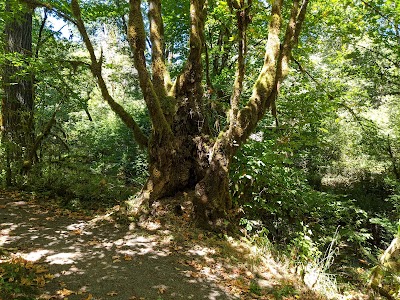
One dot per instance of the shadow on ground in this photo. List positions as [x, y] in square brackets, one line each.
[101, 260]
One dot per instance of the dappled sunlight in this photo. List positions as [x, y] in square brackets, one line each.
[201, 251]
[73, 270]
[18, 203]
[63, 258]
[5, 233]
[141, 245]
[106, 259]
[36, 255]
[78, 227]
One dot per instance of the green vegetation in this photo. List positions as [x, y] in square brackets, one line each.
[317, 181]
[21, 280]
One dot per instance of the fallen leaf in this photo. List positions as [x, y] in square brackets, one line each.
[127, 257]
[77, 231]
[26, 281]
[89, 297]
[194, 275]
[116, 259]
[41, 269]
[112, 293]
[40, 281]
[64, 292]
[49, 276]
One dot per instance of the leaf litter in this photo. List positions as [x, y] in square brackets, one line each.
[161, 258]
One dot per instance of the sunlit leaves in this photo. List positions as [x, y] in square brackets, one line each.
[176, 30]
[21, 279]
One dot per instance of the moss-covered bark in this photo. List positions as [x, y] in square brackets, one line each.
[182, 154]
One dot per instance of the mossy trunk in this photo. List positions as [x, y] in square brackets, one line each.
[187, 163]
[17, 101]
[183, 155]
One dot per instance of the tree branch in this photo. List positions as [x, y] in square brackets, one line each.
[381, 54]
[242, 19]
[275, 69]
[137, 42]
[192, 74]
[34, 4]
[125, 26]
[354, 114]
[254, 110]
[29, 159]
[161, 79]
[291, 35]
[96, 68]
[293, 29]
[40, 41]
[377, 11]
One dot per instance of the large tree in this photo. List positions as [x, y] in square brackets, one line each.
[185, 153]
[17, 84]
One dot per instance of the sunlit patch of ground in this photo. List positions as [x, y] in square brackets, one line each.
[162, 257]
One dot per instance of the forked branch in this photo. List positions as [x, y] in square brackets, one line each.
[137, 42]
[35, 3]
[249, 115]
[266, 87]
[192, 74]
[275, 69]
[293, 30]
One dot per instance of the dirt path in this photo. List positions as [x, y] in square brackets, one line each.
[104, 260]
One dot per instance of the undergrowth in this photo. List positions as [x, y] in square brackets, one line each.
[21, 279]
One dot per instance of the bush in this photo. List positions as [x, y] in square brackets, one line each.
[272, 186]
[78, 185]
[20, 279]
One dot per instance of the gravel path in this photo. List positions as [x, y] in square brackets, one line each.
[101, 260]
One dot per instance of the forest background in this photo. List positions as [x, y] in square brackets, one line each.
[321, 172]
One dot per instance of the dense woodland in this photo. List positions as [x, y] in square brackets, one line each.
[276, 120]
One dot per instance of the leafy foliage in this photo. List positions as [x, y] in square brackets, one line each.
[20, 279]
[327, 170]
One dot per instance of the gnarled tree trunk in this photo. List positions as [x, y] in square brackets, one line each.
[183, 154]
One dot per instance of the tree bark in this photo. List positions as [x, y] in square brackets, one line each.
[183, 154]
[17, 102]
